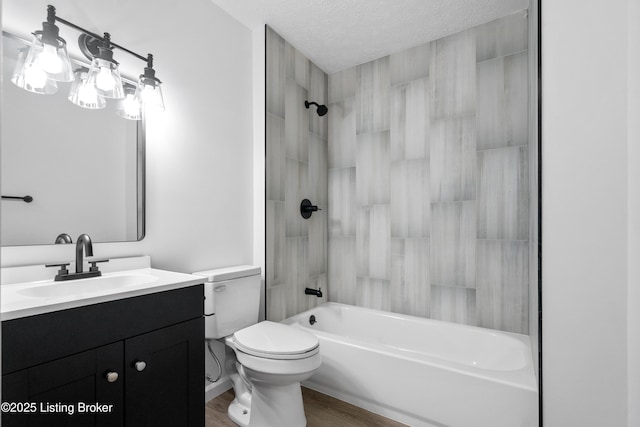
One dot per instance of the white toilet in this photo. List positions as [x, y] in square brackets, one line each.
[266, 360]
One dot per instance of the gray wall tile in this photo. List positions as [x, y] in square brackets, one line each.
[342, 269]
[532, 286]
[410, 120]
[342, 202]
[296, 127]
[373, 293]
[373, 242]
[410, 64]
[410, 199]
[502, 285]
[453, 159]
[275, 232]
[296, 189]
[502, 36]
[318, 169]
[490, 104]
[533, 190]
[317, 93]
[296, 66]
[275, 71]
[502, 102]
[297, 273]
[318, 243]
[275, 157]
[372, 96]
[453, 304]
[342, 85]
[410, 282]
[297, 167]
[342, 133]
[276, 303]
[453, 243]
[416, 174]
[516, 76]
[503, 193]
[454, 75]
[373, 168]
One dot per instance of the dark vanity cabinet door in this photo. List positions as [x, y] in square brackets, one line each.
[143, 355]
[164, 377]
[58, 393]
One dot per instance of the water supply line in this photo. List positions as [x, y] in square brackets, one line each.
[217, 363]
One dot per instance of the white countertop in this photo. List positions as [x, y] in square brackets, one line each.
[18, 299]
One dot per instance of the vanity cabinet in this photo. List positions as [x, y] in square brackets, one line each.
[142, 355]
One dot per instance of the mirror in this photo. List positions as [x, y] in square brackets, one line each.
[84, 169]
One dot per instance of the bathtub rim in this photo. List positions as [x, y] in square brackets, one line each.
[522, 378]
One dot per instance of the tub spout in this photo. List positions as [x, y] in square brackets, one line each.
[316, 292]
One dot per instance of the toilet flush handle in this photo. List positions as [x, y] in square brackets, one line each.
[140, 365]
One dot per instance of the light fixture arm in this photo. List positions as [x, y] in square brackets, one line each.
[52, 17]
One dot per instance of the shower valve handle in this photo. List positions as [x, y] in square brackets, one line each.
[307, 208]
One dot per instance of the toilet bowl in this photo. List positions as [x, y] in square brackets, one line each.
[266, 361]
[273, 358]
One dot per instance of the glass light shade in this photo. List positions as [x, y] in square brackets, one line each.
[32, 79]
[84, 94]
[149, 94]
[129, 107]
[50, 59]
[105, 77]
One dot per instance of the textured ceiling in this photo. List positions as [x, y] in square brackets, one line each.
[338, 34]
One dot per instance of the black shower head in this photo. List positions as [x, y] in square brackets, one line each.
[321, 110]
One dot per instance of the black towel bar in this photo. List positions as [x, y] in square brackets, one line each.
[26, 199]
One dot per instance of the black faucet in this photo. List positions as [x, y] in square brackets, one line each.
[316, 292]
[83, 245]
[63, 238]
[84, 241]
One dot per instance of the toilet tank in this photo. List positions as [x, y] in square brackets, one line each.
[231, 299]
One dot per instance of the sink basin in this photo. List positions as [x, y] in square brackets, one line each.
[30, 290]
[83, 287]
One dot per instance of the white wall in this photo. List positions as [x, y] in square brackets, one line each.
[200, 207]
[633, 259]
[584, 79]
[199, 152]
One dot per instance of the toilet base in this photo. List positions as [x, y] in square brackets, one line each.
[271, 405]
[239, 413]
[277, 405]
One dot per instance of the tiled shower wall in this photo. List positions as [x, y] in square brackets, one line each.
[296, 169]
[429, 179]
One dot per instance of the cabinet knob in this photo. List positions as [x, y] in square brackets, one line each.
[111, 377]
[140, 365]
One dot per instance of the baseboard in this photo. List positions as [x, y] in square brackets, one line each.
[211, 391]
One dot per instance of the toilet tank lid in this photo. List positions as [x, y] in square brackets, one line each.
[228, 273]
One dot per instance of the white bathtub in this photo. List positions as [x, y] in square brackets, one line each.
[423, 372]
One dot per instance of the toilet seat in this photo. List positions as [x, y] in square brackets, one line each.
[272, 340]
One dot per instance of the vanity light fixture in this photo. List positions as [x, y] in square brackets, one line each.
[104, 74]
[31, 79]
[47, 62]
[47, 57]
[149, 92]
[129, 107]
[83, 93]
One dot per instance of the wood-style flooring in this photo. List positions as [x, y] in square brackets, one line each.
[321, 411]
